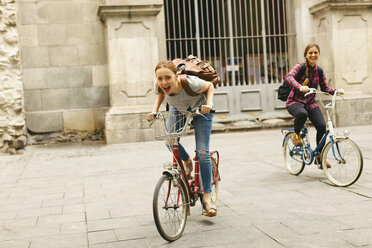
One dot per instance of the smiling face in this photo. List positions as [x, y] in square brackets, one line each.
[312, 54]
[167, 80]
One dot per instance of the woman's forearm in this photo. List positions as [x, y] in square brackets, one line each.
[158, 101]
[208, 89]
[210, 94]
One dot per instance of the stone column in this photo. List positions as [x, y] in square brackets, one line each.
[133, 32]
[12, 119]
[343, 30]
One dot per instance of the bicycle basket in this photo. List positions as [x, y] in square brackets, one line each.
[170, 124]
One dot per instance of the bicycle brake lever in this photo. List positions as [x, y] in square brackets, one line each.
[312, 91]
[212, 111]
[152, 122]
[338, 94]
[197, 111]
[155, 117]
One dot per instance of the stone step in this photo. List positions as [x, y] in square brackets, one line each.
[224, 122]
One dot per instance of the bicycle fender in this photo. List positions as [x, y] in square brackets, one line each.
[341, 137]
[173, 173]
[170, 172]
[285, 138]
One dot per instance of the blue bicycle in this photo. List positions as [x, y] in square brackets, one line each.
[341, 158]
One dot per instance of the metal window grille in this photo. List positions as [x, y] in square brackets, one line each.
[248, 41]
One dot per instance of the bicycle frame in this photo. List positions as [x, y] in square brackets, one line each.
[177, 161]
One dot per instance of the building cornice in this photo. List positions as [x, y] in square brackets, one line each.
[105, 11]
[340, 4]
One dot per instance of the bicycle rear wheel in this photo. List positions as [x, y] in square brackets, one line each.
[346, 161]
[292, 155]
[215, 180]
[170, 208]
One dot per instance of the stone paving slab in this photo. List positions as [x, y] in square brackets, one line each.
[97, 195]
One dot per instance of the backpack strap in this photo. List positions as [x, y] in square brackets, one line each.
[320, 70]
[302, 71]
[186, 86]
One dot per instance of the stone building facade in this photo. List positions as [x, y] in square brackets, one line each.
[343, 29]
[87, 65]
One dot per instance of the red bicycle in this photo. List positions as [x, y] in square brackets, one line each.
[174, 193]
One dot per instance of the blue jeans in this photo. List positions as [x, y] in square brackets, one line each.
[202, 127]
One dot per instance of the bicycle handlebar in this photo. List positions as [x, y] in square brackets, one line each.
[329, 105]
[189, 109]
[184, 118]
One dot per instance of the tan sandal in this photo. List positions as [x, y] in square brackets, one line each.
[210, 208]
[297, 140]
[188, 169]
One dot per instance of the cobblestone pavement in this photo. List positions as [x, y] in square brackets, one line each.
[99, 195]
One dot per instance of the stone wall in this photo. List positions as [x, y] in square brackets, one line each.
[12, 120]
[64, 61]
[343, 31]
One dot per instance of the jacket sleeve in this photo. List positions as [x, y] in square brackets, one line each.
[323, 84]
[292, 75]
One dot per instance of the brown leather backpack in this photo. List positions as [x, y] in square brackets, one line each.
[194, 66]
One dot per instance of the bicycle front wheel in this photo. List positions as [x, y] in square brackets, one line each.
[345, 162]
[292, 155]
[170, 208]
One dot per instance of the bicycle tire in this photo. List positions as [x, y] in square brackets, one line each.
[215, 182]
[344, 172]
[294, 163]
[168, 220]
[215, 179]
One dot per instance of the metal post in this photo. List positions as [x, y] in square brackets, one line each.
[232, 59]
[263, 32]
[197, 33]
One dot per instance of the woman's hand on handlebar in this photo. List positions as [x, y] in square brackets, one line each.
[151, 116]
[341, 91]
[205, 109]
[304, 89]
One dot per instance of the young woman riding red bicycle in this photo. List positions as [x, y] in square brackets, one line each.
[169, 87]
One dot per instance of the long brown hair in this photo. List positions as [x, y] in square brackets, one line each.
[307, 48]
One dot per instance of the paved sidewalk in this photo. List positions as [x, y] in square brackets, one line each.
[101, 196]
